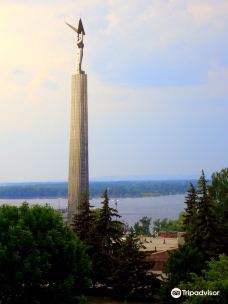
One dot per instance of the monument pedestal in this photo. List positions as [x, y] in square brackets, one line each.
[78, 181]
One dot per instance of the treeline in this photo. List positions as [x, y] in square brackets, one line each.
[144, 226]
[115, 189]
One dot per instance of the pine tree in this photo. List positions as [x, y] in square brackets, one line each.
[83, 221]
[207, 227]
[132, 277]
[205, 237]
[109, 230]
[189, 221]
[106, 240]
[219, 192]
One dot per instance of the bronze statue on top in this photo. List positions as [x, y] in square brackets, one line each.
[80, 31]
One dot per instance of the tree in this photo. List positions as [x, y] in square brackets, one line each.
[83, 221]
[132, 277]
[207, 232]
[180, 264]
[109, 230]
[106, 234]
[190, 211]
[218, 190]
[41, 259]
[100, 230]
[169, 225]
[120, 260]
[143, 226]
[213, 278]
[118, 265]
[203, 239]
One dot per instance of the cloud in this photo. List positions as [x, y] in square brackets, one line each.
[165, 42]
[150, 65]
[116, 103]
[211, 13]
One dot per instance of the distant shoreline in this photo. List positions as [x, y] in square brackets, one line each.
[116, 189]
[91, 197]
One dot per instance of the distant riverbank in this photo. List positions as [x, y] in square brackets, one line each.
[116, 189]
[131, 209]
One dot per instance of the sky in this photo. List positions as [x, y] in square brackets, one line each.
[157, 87]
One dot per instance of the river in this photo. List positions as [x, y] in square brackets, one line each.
[131, 209]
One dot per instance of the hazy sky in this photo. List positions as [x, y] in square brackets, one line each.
[157, 87]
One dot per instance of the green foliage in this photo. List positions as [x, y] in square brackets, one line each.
[206, 233]
[180, 264]
[97, 230]
[214, 278]
[219, 192]
[219, 187]
[169, 225]
[204, 226]
[108, 228]
[183, 261]
[142, 227]
[131, 277]
[83, 221]
[201, 221]
[101, 232]
[117, 263]
[41, 260]
[190, 211]
[107, 239]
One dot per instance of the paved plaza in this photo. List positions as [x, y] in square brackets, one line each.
[161, 244]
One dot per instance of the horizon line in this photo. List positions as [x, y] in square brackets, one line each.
[110, 179]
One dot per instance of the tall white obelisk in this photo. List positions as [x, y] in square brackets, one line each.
[78, 180]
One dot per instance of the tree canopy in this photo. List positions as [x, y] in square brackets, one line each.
[213, 278]
[117, 262]
[41, 259]
[168, 224]
[143, 226]
[206, 231]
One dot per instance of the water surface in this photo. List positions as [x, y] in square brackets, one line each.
[131, 209]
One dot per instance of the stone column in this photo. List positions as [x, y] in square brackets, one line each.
[78, 181]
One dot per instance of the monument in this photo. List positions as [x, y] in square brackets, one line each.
[78, 179]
